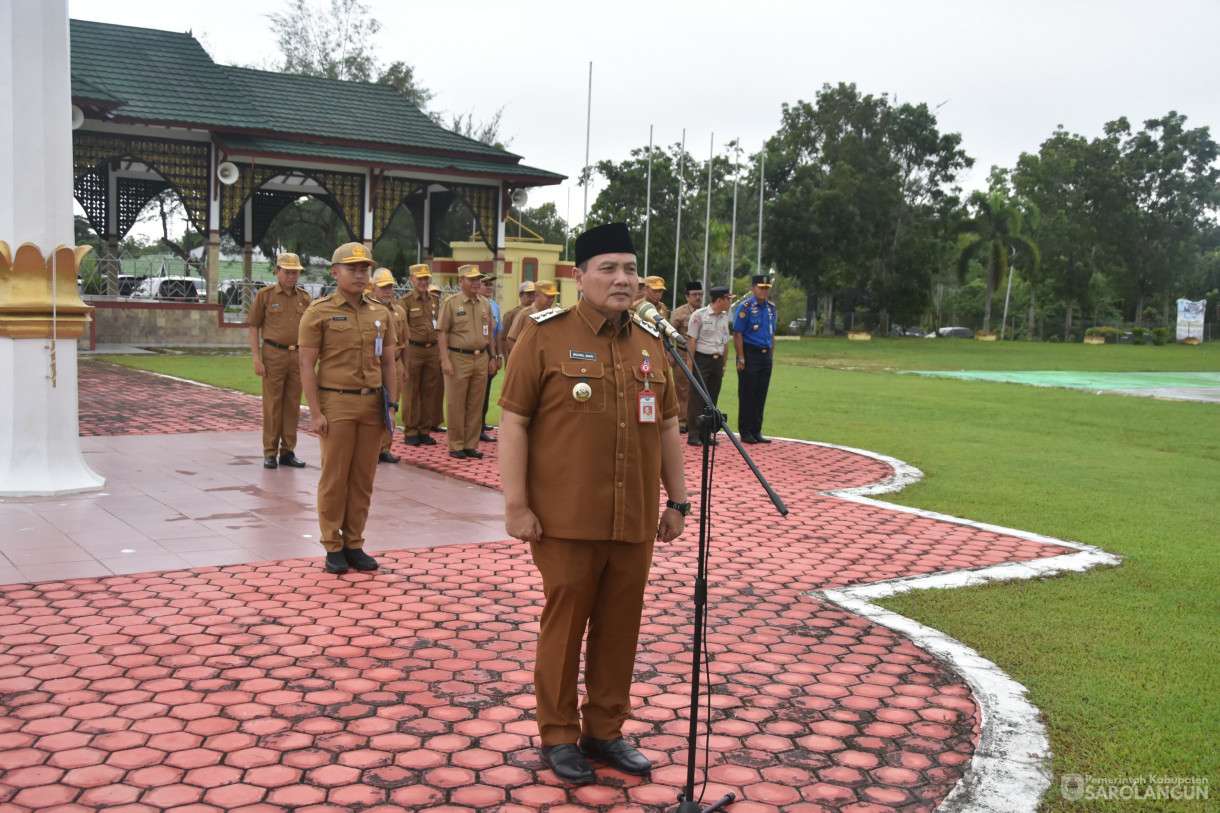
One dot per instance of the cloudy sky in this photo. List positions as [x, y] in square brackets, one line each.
[1003, 75]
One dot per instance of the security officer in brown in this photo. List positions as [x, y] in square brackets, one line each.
[347, 343]
[588, 433]
[422, 386]
[276, 313]
[383, 292]
[466, 332]
[680, 320]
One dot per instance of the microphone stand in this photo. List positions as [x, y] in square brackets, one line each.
[710, 422]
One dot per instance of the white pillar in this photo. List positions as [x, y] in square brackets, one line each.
[40, 450]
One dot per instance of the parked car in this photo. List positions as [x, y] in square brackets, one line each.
[913, 332]
[952, 333]
[797, 326]
[171, 289]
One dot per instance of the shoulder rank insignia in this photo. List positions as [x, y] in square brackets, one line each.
[549, 313]
[656, 333]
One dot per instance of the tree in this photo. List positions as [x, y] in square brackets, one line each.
[995, 232]
[546, 221]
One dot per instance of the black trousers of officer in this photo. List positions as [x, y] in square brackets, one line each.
[711, 371]
[752, 385]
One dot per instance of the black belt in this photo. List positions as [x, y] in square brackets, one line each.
[709, 355]
[757, 349]
[478, 352]
[281, 346]
[364, 391]
[420, 344]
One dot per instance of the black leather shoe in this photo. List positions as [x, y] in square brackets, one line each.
[486, 438]
[681, 429]
[388, 457]
[290, 459]
[761, 439]
[336, 562]
[568, 763]
[487, 427]
[475, 453]
[618, 754]
[748, 439]
[359, 559]
[460, 454]
[269, 462]
[411, 440]
[691, 440]
[426, 440]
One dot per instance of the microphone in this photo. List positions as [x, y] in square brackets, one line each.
[649, 313]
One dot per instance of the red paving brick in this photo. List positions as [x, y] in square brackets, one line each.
[280, 687]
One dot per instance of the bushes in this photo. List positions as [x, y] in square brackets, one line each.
[1160, 336]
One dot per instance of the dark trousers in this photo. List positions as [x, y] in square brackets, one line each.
[487, 400]
[752, 385]
[711, 371]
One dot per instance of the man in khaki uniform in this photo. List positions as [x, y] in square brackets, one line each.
[589, 432]
[653, 290]
[277, 312]
[422, 386]
[347, 346]
[383, 292]
[525, 296]
[680, 320]
[466, 333]
[545, 294]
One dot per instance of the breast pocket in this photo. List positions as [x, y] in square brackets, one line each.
[657, 382]
[584, 378]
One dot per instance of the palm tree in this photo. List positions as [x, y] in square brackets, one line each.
[996, 229]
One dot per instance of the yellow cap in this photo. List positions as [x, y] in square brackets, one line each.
[470, 272]
[546, 286]
[383, 277]
[434, 288]
[655, 283]
[352, 253]
[288, 262]
[420, 270]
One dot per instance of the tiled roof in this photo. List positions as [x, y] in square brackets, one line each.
[261, 146]
[161, 77]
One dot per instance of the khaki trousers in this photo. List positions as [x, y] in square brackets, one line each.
[281, 400]
[464, 392]
[386, 437]
[423, 391]
[349, 463]
[599, 585]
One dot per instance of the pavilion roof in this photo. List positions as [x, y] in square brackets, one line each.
[147, 76]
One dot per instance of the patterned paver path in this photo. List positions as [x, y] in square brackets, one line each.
[278, 687]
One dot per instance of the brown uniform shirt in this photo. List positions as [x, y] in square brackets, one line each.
[520, 322]
[278, 314]
[681, 317]
[346, 339]
[594, 469]
[400, 330]
[468, 322]
[421, 316]
[510, 316]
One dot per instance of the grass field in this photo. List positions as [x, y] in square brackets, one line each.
[1121, 661]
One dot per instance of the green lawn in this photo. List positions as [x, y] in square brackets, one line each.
[1121, 661]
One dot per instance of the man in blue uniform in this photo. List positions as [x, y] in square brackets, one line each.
[754, 344]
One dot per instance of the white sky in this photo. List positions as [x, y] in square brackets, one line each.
[1006, 74]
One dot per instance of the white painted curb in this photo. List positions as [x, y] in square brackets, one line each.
[1010, 769]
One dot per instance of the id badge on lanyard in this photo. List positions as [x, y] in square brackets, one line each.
[648, 398]
[377, 344]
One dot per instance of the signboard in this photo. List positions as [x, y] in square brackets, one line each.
[1190, 319]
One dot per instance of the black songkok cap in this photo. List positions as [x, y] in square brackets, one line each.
[694, 285]
[612, 238]
[719, 292]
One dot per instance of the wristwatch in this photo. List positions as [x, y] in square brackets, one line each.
[394, 405]
[682, 508]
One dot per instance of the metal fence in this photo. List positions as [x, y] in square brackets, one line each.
[153, 277]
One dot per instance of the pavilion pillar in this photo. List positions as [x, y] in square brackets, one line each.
[426, 238]
[41, 312]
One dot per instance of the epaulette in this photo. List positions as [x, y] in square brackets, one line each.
[651, 329]
[549, 313]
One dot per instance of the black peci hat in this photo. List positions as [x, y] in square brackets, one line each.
[694, 285]
[612, 238]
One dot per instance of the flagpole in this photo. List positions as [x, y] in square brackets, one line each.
[733, 238]
[707, 227]
[584, 225]
[762, 165]
[678, 226]
[648, 201]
